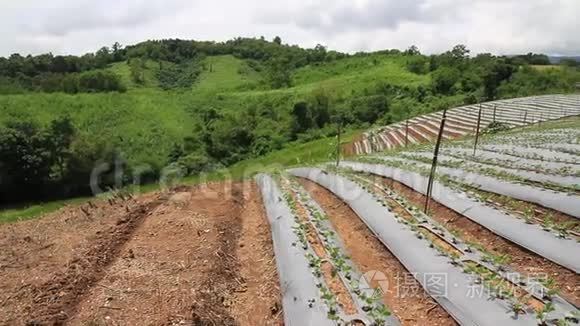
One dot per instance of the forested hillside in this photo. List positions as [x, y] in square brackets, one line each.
[182, 107]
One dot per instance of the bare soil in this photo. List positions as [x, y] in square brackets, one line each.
[420, 138]
[194, 256]
[522, 260]
[402, 293]
[37, 253]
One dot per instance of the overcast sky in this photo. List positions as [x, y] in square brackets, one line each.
[496, 26]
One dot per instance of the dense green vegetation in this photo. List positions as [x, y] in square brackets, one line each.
[172, 107]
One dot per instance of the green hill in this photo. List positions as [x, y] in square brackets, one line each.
[184, 107]
[226, 73]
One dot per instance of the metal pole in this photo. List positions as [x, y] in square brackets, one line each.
[477, 131]
[434, 164]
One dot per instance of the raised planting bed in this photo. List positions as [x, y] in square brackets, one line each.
[498, 279]
[416, 254]
[560, 201]
[534, 153]
[321, 285]
[515, 257]
[513, 112]
[514, 162]
[510, 174]
[561, 251]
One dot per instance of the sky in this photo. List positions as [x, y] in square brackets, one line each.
[494, 26]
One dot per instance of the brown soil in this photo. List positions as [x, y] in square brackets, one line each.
[56, 299]
[258, 302]
[459, 125]
[203, 256]
[404, 295]
[348, 149]
[36, 253]
[425, 131]
[522, 260]
[392, 139]
[420, 138]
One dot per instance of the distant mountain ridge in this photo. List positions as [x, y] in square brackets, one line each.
[558, 59]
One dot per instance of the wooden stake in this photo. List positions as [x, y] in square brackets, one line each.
[338, 143]
[434, 164]
[477, 131]
[406, 132]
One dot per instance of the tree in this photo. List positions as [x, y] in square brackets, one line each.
[417, 65]
[369, 108]
[493, 78]
[103, 57]
[279, 73]
[318, 54]
[444, 79]
[61, 134]
[25, 159]
[136, 67]
[117, 52]
[277, 40]
[320, 105]
[231, 140]
[176, 153]
[460, 52]
[412, 50]
[302, 118]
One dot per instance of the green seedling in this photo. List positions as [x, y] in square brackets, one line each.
[542, 314]
[517, 308]
[528, 215]
[564, 228]
[550, 284]
[547, 222]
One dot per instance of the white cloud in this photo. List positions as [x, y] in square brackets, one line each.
[497, 26]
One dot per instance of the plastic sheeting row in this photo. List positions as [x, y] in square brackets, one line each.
[448, 285]
[303, 302]
[561, 251]
[559, 201]
[296, 280]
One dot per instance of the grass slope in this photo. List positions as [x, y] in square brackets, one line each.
[144, 122]
[359, 72]
[225, 73]
[150, 81]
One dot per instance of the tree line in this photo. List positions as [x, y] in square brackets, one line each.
[50, 162]
[66, 73]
